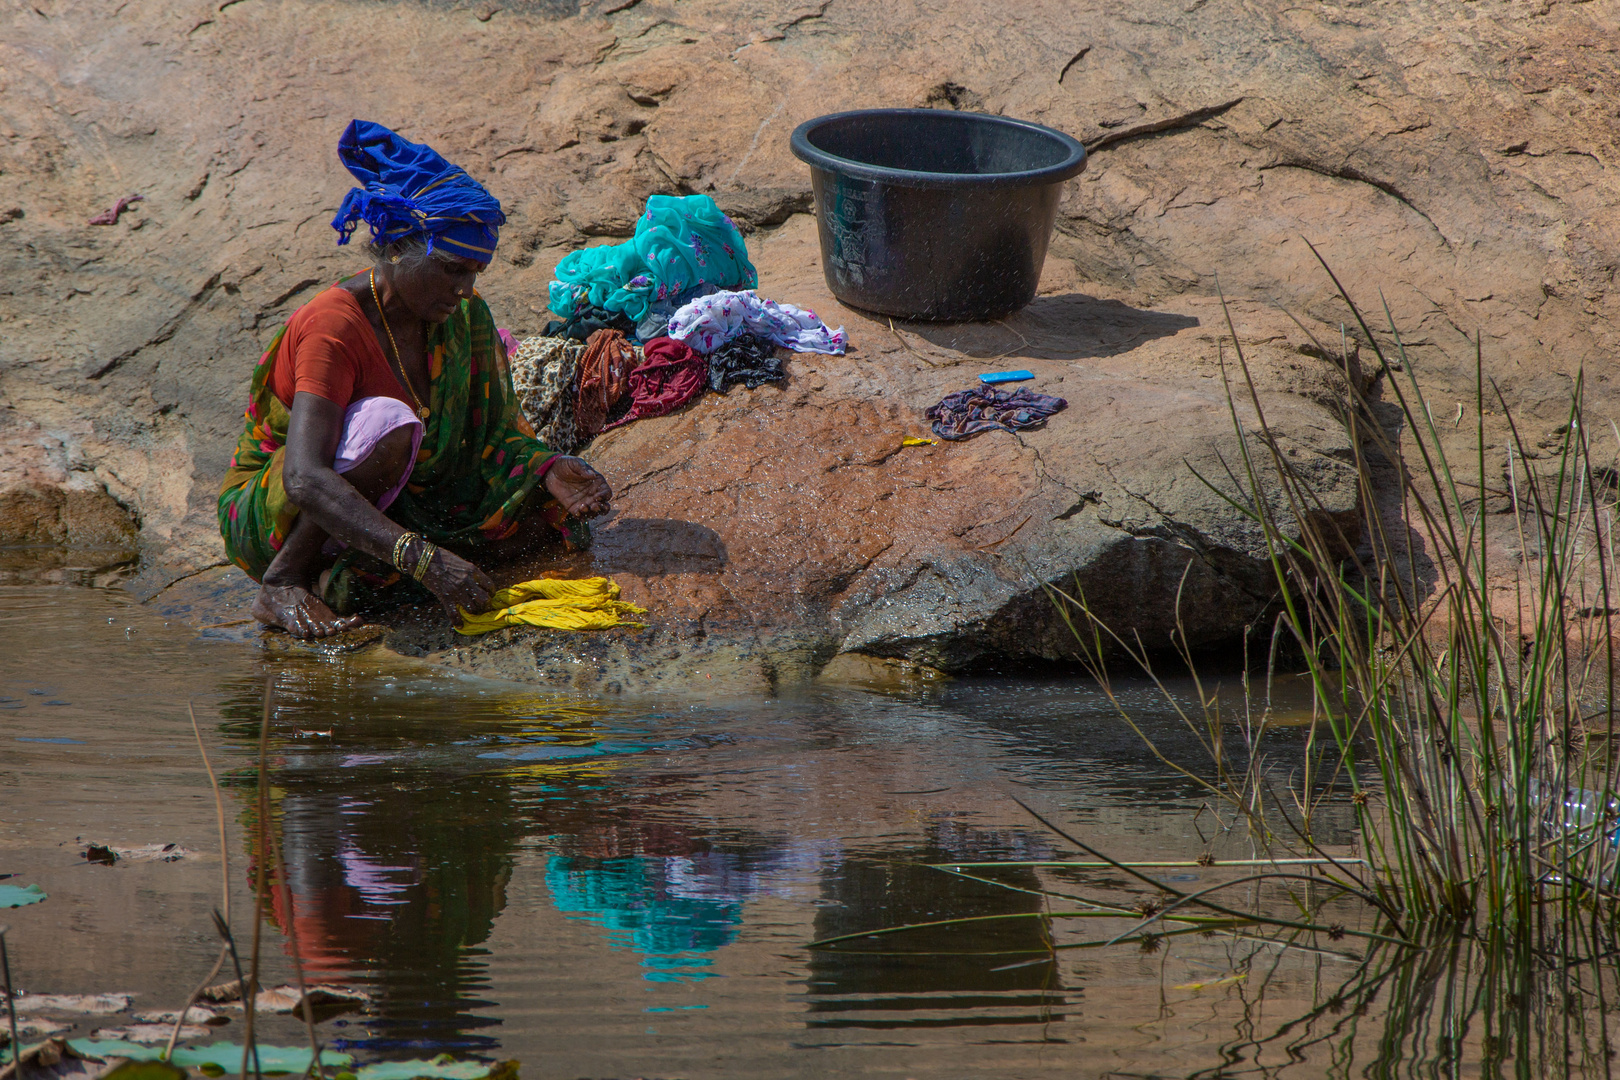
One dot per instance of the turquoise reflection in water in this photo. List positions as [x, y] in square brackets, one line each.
[638, 901]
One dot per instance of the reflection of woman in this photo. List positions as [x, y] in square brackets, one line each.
[390, 392]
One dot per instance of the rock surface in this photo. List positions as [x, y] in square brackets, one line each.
[46, 499]
[1460, 159]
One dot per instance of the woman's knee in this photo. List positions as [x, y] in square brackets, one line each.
[387, 464]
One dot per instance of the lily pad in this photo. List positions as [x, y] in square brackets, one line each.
[148, 1033]
[324, 1001]
[197, 1014]
[222, 1055]
[31, 1027]
[54, 1059]
[144, 853]
[145, 1070]
[443, 1067]
[20, 895]
[84, 1004]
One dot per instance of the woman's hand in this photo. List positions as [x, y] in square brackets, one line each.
[582, 490]
[458, 583]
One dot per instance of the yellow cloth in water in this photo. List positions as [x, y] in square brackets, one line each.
[557, 603]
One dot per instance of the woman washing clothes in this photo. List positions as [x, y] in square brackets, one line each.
[382, 421]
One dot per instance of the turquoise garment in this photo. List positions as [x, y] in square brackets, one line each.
[681, 243]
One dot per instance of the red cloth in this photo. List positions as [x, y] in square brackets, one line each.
[331, 351]
[670, 375]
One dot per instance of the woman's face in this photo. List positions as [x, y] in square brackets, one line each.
[436, 288]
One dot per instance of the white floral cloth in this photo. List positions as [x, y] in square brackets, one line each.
[710, 321]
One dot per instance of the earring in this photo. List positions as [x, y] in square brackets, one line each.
[394, 259]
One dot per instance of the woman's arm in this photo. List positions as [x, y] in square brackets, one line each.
[313, 431]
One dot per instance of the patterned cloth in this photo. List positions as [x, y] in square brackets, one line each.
[604, 379]
[477, 467]
[656, 322]
[681, 243]
[967, 413]
[710, 321]
[543, 374]
[408, 190]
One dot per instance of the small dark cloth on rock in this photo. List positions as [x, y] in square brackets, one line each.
[747, 359]
[967, 413]
[588, 320]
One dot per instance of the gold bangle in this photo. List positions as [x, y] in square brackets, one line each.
[399, 549]
[426, 562]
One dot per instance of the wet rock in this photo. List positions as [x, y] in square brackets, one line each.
[46, 501]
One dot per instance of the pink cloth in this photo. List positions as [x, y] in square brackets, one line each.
[110, 215]
[507, 340]
[365, 422]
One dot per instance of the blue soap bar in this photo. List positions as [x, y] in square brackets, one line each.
[1006, 376]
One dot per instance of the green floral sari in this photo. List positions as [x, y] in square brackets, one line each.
[478, 464]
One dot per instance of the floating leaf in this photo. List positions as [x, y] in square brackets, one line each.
[443, 1067]
[84, 1004]
[145, 1070]
[221, 1055]
[197, 1014]
[149, 1033]
[28, 1025]
[20, 895]
[154, 853]
[53, 1059]
[326, 1001]
[109, 854]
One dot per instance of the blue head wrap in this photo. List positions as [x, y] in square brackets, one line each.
[408, 190]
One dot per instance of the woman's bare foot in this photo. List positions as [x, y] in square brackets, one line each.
[299, 612]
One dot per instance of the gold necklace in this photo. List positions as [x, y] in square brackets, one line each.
[421, 409]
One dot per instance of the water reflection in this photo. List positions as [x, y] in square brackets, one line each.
[628, 888]
[404, 819]
[397, 885]
[400, 830]
[981, 974]
[640, 902]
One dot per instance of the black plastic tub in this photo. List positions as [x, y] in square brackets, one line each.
[930, 214]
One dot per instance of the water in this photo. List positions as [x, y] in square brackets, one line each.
[625, 888]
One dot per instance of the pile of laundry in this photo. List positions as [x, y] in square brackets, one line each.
[645, 326]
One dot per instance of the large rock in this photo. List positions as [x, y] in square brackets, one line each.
[1457, 159]
[792, 521]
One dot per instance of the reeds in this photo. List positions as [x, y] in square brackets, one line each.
[1470, 722]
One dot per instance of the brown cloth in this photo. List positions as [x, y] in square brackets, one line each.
[604, 377]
